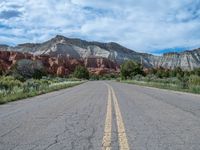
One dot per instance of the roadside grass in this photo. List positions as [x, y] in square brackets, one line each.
[12, 92]
[170, 86]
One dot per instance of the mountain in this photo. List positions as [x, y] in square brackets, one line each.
[78, 49]
[58, 65]
[187, 60]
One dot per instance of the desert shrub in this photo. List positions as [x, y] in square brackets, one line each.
[183, 81]
[57, 79]
[138, 77]
[8, 83]
[179, 72]
[35, 85]
[81, 73]
[151, 77]
[94, 77]
[108, 76]
[194, 80]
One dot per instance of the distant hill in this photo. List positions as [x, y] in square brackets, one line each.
[77, 48]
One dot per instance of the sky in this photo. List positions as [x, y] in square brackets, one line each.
[152, 26]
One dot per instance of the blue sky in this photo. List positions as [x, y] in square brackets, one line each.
[153, 26]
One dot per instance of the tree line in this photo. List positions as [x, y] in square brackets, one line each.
[132, 70]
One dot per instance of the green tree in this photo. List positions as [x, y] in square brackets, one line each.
[129, 69]
[184, 81]
[94, 77]
[81, 73]
[179, 72]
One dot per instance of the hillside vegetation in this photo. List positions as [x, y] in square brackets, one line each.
[176, 79]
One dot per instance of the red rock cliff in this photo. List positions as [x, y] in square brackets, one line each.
[61, 65]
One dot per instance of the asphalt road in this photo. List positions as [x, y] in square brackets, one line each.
[102, 115]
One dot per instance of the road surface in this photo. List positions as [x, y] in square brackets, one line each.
[102, 115]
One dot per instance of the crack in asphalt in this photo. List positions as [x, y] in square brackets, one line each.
[53, 143]
[90, 137]
[77, 122]
[11, 130]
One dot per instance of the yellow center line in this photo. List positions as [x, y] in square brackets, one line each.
[106, 143]
[122, 138]
[123, 142]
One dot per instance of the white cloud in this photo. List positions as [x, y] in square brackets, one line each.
[143, 25]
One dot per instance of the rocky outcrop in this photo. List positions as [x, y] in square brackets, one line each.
[61, 70]
[99, 62]
[81, 49]
[100, 65]
[187, 60]
[58, 65]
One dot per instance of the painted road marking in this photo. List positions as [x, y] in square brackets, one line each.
[106, 143]
[122, 138]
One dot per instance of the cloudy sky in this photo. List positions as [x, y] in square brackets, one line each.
[153, 26]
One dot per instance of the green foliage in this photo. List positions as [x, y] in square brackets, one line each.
[183, 81]
[176, 79]
[161, 72]
[196, 71]
[94, 77]
[81, 73]
[129, 69]
[111, 76]
[108, 76]
[179, 72]
[8, 83]
[13, 89]
[194, 80]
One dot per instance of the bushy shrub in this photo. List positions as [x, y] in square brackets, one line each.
[108, 76]
[183, 81]
[138, 77]
[197, 71]
[129, 69]
[94, 77]
[9, 82]
[194, 80]
[162, 72]
[35, 85]
[81, 73]
[151, 77]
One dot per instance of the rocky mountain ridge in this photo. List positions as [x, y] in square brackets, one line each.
[81, 49]
[58, 65]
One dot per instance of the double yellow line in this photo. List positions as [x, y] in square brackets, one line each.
[122, 138]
